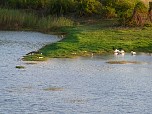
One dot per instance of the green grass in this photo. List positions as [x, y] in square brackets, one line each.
[35, 57]
[99, 38]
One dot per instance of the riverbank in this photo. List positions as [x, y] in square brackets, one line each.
[99, 38]
[82, 37]
[94, 37]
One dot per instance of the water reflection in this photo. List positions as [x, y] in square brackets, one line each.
[70, 86]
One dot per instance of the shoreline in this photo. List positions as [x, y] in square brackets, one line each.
[96, 38]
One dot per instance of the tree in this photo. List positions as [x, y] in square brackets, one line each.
[88, 7]
[60, 7]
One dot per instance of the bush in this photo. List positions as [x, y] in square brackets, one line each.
[124, 11]
[88, 7]
[60, 7]
[108, 12]
[28, 4]
[139, 16]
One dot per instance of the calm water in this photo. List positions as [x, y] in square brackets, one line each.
[70, 86]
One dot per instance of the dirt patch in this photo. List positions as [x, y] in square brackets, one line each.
[123, 62]
[53, 89]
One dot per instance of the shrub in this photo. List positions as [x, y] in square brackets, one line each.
[61, 7]
[124, 10]
[139, 16]
[88, 7]
[108, 12]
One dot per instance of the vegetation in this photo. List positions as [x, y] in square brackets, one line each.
[20, 67]
[35, 57]
[99, 38]
[15, 19]
[124, 10]
[85, 35]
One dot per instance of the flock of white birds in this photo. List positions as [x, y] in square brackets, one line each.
[122, 52]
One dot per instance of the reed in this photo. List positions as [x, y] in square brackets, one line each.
[17, 19]
[50, 22]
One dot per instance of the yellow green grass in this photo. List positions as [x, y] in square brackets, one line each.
[99, 38]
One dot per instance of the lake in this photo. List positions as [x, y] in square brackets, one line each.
[84, 85]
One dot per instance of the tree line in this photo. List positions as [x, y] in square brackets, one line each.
[122, 9]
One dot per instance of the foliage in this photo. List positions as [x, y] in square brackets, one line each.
[139, 16]
[32, 4]
[60, 7]
[108, 12]
[88, 7]
[122, 9]
[140, 6]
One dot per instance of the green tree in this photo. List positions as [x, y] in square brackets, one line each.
[61, 7]
[88, 7]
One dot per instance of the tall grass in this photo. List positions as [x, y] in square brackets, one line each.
[16, 19]
[48, 23]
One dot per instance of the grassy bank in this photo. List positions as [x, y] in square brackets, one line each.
[87, 38]
[99, 38]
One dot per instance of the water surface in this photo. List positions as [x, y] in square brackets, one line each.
[71, 86]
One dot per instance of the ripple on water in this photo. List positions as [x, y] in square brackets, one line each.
[71, 86]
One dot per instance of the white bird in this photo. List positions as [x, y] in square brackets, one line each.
[116, 51]
[133, 53]
[122, 52]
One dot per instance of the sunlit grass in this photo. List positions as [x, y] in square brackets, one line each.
[98, 39]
